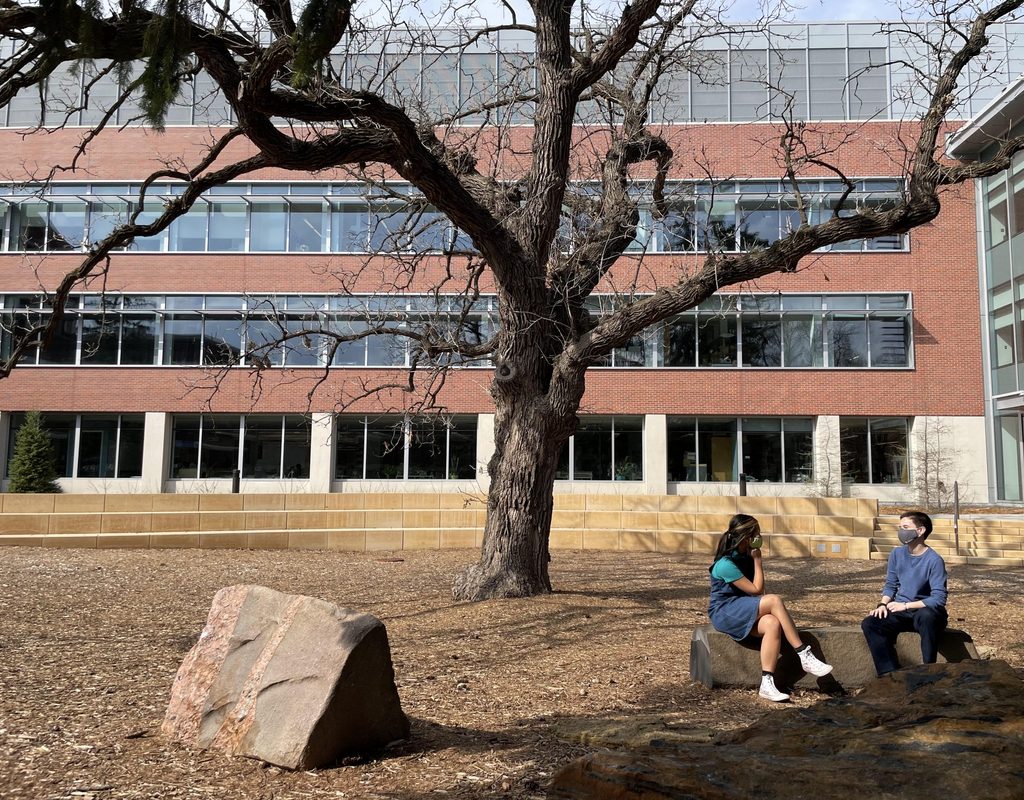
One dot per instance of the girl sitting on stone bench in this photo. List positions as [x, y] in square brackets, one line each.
[740, 608]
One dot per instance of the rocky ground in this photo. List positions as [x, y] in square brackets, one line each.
[90, 641]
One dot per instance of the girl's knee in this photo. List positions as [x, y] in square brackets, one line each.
[773, 601]
[770, 624]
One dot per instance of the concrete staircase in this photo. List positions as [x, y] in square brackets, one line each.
[995, 540]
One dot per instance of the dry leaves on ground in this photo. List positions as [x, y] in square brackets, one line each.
[90, 641]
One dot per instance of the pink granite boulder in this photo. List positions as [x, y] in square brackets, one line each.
[290, 680]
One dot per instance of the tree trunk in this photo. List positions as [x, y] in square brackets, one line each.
[514, 560]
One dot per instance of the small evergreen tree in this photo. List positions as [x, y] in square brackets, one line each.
[33, 466]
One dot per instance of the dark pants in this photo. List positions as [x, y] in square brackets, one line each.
[881, 634]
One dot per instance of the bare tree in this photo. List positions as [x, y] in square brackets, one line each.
[544, 220]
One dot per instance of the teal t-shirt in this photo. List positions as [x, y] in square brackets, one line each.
[725, 570]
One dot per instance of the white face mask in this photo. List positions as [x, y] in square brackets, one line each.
[907, 535]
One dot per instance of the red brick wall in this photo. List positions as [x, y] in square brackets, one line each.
[940, 270]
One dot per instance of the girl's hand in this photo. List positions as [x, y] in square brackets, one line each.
[756, 554]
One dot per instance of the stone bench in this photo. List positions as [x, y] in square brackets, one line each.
[718, 660]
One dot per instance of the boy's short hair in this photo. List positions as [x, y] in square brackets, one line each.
[920, 520]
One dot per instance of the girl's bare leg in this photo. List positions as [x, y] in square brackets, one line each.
[772, 605]
[770, 631]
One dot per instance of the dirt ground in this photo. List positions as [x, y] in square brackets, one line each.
[90, 642]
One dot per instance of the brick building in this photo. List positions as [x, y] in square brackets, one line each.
[861, 374]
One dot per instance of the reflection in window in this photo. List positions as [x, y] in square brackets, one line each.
[107, 445]
[604, 449]
[874, 450]
[396, 448]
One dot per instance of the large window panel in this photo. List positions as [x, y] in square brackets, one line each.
[628, 448]
[762, 449]
[139, 334]
[219, 457]
[222, 340]
[349, 442]
[890, 340]
[716, 340]
[268, 228]
[428, 446]
[889, 462]
[681, 441]
[227, 227]
[798, 444]
[385, 449]
[679, 341]
[97, 450]
[848, 340]
[99, 339]
[748, 89]
[716, 447]
[183, 339]
[762, 340]
[63, 344]
[29, 226]
[828, 83]
[788, 83]
[67, 226]
[350, 228]
[710, 86]
[592, 449]
[306, 227]
[853, 450]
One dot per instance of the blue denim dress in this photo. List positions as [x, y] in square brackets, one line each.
[732, 611]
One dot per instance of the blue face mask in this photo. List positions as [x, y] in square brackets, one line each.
[907, 535]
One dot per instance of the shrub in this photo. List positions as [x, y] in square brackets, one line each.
[34, 463]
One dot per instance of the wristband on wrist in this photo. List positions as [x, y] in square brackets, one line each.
[880, 605]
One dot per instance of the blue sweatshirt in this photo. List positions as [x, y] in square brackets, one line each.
[911, 578]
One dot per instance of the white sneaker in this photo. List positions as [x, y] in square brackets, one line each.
[769, 692]
[813, 665]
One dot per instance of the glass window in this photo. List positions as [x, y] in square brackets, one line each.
[710, 91]
[592, 450]
[138, 339]
[874, 450]
[306, 227]
[350, 227]
[99, 339]
[681, 441]
[758, 222]
[890, 340]
[848, 340]
[762, 340]
[183, 337]
[262, 337]
[269, 227]
[678, 229]
[222, 340]
[97, 450]
[67, 226]
[185, 449]
[679, 341]
[462, 448]
[889, 462]
[385, 448]
[219, 455]
[802, 344]
[748, 90]
[428, 443]
[130, 446]
[478, 83]
[349, 436]
[63, 344]
[29, 231]
[61, 428]
[762, 449]
[869, 94]
[441, 84]
[276, 447]
[788, 83]
[302, 350]
[104, 217]
[188, 232]
[828, 83]
[996, 232]
[628, 448]
[227, 227]
[798, 445]
[716, 448]
[716, 337]
[719, 232]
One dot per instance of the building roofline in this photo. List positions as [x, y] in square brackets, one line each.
[990, 124]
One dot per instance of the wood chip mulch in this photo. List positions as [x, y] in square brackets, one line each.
[90, 642]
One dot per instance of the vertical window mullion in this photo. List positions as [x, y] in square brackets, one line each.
[77, 432]
[871, 466]
[199, 454]
[241, 442]
[117, 449]
[280, 465]
[406, 446]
